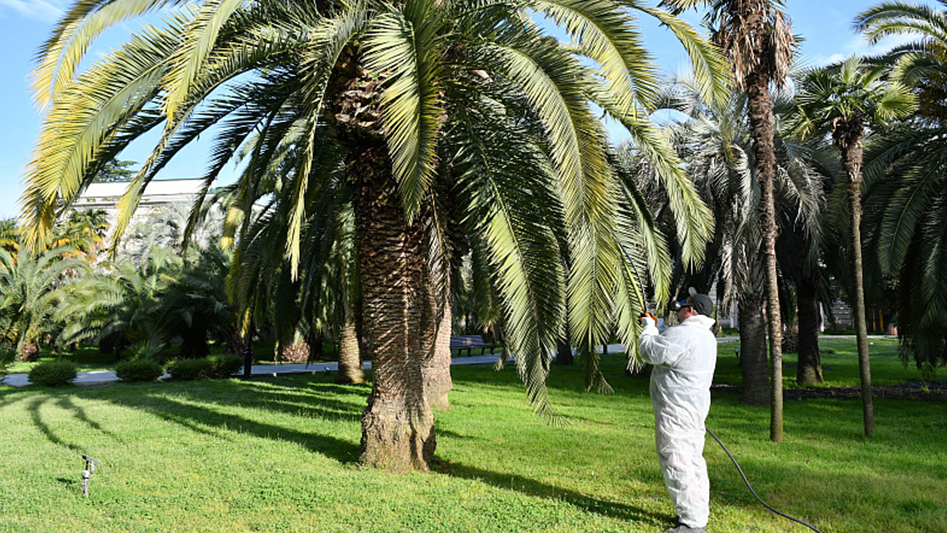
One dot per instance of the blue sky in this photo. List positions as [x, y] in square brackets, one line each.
[24, 24]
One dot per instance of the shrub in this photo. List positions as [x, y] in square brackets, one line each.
[223, 366]
[53, 373]
[212, 367]
[6, 355]
[139, 370]
[190, 369]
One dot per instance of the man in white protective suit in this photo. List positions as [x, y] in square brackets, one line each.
[684, 358]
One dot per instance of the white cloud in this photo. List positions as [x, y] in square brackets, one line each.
[47, 10]
[857, 46]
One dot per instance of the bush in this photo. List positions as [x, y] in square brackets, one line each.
[190, 369]
[225, 365]
[6, 355]
[53, 373]
[212, 367]
[139, 370]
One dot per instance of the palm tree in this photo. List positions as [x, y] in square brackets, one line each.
[83, 231]
[9, 235]
[434, 110]
[194, 305]
[905, 166]
[31, 288]
[120, 306]
[715, 142]
[755, 36]
[846, 100]
[324, 299]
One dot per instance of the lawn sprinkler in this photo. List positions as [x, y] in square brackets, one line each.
[90, 465]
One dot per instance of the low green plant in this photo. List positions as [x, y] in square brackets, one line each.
[139, 370]
[53, 373]
[189, 369]
[212, 367]
[6, 355]
[223, 366]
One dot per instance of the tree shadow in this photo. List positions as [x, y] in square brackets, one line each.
[208, 421]
[311, 399]
[80, 414]
[454, 435]
[538, 489]
[196, 411]
[34, 408]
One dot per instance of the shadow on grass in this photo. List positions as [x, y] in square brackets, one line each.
[65, 403]
[70, 484]
[538, 489]
[200, 408]
[34, 408]
[197, 410]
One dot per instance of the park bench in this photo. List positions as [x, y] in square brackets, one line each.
[469, 342]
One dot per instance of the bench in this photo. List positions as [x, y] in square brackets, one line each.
[469, 342]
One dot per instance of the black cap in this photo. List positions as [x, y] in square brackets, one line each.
[703, 305]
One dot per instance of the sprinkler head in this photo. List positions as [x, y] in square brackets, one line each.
[90, 465]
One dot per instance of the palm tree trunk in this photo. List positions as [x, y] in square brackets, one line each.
[436, 369]
[350, 357]
[809, 369]
[28, 352]
[760, 107]
[849, 141]
[753, 350]
[398, 423]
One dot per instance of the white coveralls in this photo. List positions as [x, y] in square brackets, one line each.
[684, 358]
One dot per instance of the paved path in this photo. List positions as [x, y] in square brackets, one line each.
[102, 377]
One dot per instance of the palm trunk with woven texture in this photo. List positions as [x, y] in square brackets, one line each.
[753, 365]
[398, 423]
[437, 357]
[350, 356]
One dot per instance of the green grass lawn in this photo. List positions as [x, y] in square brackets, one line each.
[279, 455]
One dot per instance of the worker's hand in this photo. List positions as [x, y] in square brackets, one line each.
[647, 319]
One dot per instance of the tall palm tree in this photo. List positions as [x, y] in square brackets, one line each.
[905, 165]
[436, 110]
[846, 100]
[755, 36]
[715, 142]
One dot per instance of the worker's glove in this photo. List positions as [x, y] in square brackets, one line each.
[648, 319]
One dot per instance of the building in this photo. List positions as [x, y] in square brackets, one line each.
[158, 193]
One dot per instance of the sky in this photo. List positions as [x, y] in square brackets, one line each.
[24, 24]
